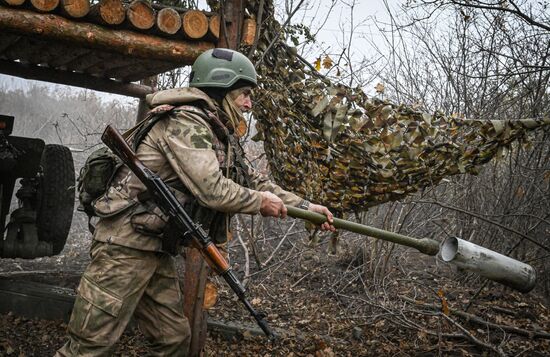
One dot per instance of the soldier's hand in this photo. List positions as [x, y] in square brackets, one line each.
[272, 206]
[327, 226]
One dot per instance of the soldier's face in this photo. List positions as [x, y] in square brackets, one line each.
[243, 100]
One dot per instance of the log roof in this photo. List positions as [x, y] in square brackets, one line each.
[88, 52]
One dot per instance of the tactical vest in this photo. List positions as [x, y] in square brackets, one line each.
[231, 161]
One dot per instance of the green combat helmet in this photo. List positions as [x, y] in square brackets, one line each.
[221, 68]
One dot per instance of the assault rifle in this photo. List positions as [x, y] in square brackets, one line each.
[170, 206]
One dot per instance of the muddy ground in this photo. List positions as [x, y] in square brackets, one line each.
[324, 305]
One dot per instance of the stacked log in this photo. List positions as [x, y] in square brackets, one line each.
[168, 21]
[56, 28]
[194, 24]
[44, 5]
[137, 15]
[75, 8]
[12, 2]
[140, 15]
[108, 12]
[214, 27]
[249, 32]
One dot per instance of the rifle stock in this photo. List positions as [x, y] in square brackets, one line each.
[170, 206]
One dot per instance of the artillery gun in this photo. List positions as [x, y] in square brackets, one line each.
[40, 225]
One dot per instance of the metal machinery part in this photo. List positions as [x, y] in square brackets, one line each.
[21, 240]
[21, 158]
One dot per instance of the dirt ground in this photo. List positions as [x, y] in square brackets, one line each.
[324, 305]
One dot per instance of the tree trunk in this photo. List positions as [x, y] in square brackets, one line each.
[140, 15]
[194, 24]
[108, 12]
[75, 8]
[143, 107]
[168, 21]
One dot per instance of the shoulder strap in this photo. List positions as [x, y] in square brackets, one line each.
[128, 133]
[141, 129]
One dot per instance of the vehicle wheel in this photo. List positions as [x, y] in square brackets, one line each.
[55, 196]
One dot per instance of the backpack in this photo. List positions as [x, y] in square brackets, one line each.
[95, 176]
[102, 165]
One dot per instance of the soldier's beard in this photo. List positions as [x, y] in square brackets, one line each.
[236, 120]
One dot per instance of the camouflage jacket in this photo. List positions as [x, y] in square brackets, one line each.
[183, 149]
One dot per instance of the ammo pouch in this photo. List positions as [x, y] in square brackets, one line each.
[146, 218]
[95, 177]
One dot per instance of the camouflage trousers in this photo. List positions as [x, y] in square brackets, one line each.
[119, 283]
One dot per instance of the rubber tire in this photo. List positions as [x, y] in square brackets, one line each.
[55, 196]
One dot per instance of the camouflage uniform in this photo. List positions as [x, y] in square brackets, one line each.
[130, 274]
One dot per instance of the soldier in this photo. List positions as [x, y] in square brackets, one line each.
[193, 147]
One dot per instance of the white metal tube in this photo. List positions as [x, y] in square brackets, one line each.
[489, 264]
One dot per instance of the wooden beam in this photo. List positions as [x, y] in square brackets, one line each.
[249, 32]
[196, 270]
[194, 283]
[56, 28]
[231, 24]
[73, 79]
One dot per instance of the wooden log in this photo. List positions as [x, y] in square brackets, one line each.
[28, 50]
[214, 26]
[194, 24]
[196, 274]
[249, 32]
[45, 301]
[69, 55]
[75, 8]
[12, 2]
[19, 52]
[139, 70]
[108, 12]
[73, 79]
[140, 15]
[196, 268]
[56, 28]
[168, 21]
[103, 60]
[233, 18]
[44, 5]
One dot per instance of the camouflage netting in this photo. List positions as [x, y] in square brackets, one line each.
[336, 146]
